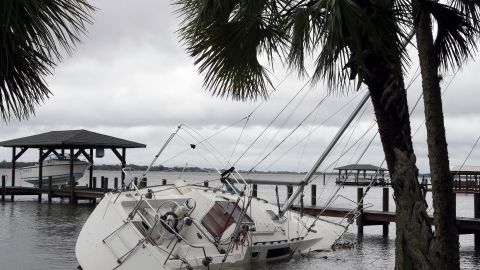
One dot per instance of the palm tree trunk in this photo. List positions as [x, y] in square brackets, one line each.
[446, 235]
[414, 235]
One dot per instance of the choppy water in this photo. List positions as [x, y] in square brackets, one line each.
[43, 236]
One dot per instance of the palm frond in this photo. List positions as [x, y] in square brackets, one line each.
[226, 39]
[349, 31]
[33, 34]
[469, 8]
[455, 39]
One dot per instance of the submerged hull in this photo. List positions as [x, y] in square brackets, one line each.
[59, 170]
[123, 232]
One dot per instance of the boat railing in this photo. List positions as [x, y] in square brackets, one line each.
[157, 219]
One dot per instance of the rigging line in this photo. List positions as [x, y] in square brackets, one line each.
[315, 129]
[212, 152]
[359, 118]
[238, 140]
[291, 132]
[468, 156]
[283, 124]
[307, 142]
[272, 121]
[212, 166]
[211, 136]
[206, 144]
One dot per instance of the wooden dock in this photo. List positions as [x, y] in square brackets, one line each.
[465, 225]
[365, 217]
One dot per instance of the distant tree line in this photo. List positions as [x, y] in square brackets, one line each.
[116, 167]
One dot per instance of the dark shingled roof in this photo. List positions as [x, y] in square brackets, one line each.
[360, 167]
[71, 138]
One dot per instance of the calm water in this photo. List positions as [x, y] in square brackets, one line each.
[42, 236]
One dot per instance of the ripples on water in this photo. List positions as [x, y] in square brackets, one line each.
[41, 236]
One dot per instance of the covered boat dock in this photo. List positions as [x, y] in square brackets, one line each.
[73, 142]
[361, 175]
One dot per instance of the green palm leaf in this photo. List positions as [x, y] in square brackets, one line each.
[33, 34]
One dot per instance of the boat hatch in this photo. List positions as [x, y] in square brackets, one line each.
[221, 216]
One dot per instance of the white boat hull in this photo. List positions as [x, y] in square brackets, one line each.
[59, 170]
[111, 240]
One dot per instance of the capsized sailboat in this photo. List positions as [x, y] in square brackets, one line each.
[185, 226]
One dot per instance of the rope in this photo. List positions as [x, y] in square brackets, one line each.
[271, 122]
[284, 139]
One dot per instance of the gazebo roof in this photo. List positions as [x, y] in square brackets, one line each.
[360, 167]
[71, 139]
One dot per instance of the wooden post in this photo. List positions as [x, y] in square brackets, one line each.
[4, 188]
[40, 173]
[476, 214]
[254, 190]
[205, 183]
[385, 208]
[164, 182]
[105, 185]
[360, 209]
[94, 182]
[301, 205]
[324, 179]
[314, 194]
[289, 190]
[72, 178]
[124, 164]
[90, 170]
[49, 189]
[102, 182]
[14, 150]
[115, 182]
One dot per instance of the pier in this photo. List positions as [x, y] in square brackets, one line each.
[363, 217]
[73, 143]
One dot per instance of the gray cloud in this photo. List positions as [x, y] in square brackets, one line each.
[131, 78]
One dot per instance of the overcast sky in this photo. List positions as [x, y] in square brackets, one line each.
[131, 78]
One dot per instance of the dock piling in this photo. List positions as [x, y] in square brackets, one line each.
[115, 183]
[476, 214]
[4, 187]
[314, 195]
[164, 182]
[105, 184]
[360, 209]
[289, 190]
[385, 205]
[205, 183]
[254, 190]
[94, 182]
[49, 189]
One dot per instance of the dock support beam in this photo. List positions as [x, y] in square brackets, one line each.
[385, 208]
[314, 194]
[72, 178]
[476, 210]
[360, 210]
[4, 187]
[40, 172]
[49, 189]
[14, 158]
[289, 191]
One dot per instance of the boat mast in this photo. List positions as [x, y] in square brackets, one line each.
[307, 179]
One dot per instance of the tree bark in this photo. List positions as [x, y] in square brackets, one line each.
[446, 235]
[413, 235]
